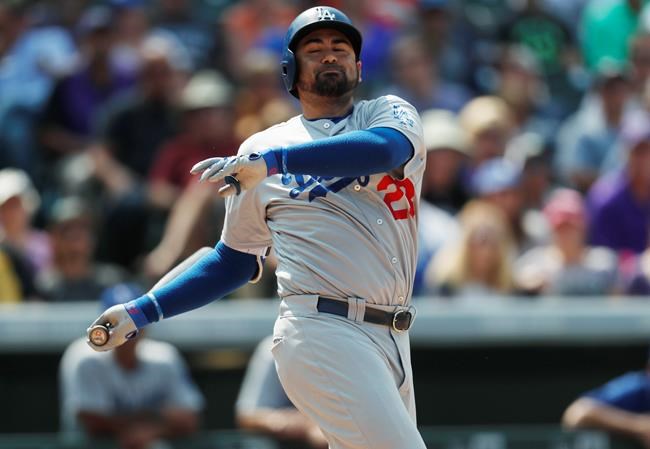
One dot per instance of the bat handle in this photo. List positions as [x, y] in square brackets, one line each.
[99, 334]
[234, 182]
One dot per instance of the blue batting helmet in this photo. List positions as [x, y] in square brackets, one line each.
[306, 22]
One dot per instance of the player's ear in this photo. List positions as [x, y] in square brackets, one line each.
[359, 71]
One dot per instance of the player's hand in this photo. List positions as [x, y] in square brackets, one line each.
[120, 324]
[238, 172]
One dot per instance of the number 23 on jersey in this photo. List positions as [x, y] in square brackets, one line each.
[396, 190]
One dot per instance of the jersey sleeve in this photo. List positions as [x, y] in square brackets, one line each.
[628, 392]
[391, 111]
[245, 227]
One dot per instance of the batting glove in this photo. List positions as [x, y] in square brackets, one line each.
[120, 324]
[238, 172]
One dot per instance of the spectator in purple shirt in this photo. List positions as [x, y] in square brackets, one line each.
[619, 205]
[69, 117]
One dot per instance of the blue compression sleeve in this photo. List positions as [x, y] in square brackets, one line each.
[356, 153]
[213, 276]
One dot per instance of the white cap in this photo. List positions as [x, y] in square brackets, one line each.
[206, 89]
[15, 182]
[442, 131]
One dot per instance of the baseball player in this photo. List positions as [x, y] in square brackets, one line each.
[335, 191]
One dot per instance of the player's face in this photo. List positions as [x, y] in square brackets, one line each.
[327, 64]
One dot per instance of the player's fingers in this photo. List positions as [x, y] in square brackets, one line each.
[220, 170]
[217, 171]
[200, 166]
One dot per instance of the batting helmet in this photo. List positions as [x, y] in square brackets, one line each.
[306, 22]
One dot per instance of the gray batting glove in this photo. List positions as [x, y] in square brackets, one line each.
[120, 324]
[238, 172]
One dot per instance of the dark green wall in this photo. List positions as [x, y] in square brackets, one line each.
[454, 386]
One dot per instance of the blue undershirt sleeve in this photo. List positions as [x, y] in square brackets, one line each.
[357, 153]
[213, 276]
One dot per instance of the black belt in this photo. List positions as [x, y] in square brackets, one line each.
[400, 320]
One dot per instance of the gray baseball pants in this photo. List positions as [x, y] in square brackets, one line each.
[354, 379]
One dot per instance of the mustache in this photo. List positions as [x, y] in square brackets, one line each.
[329, 68]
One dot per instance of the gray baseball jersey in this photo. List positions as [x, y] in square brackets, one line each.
[335, 237]
[92, 381]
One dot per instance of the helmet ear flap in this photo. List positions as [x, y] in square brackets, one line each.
[288, 71]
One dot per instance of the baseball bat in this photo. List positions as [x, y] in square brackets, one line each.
[99, 334]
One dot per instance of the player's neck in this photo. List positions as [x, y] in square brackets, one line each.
[316, 106]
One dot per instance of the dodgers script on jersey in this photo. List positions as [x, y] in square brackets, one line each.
[363, 230]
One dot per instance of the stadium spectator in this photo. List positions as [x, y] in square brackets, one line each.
[547, 29]
[261, 100]
[74, 275]
[606, 28]
[489, 125]
[442, 188]
[620, 406]
[133, 130]
[69, 117]
[16, 277]
[137, 395]
[447, 158]
[639, 64]
[520, 83]
[637, 283]
[207, 131]
[567, 266]
[31, 59]
[132, 26]
[448, 43]
[249, 24]
[416, 79]
[478, 263]
[263, 406]
[499, 182]
[177, 18]
[587, 140]
[10, 286]
[619, 203]
[19, 201]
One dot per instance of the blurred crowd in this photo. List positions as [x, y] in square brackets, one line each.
[536, 116]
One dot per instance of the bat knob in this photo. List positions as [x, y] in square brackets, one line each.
[98, 335]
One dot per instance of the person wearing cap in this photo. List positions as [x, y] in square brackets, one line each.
[442, 189]
[24, 250]
[136, 395]
[498, 181]
[488, 125]
[74, 275]
[621, 406]
[207, 129]
[619, 204]
[567, 266]
[448, 155]
[19, 201]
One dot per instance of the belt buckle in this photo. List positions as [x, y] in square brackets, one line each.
[402, 320]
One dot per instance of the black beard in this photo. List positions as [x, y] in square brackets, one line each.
[332, 86]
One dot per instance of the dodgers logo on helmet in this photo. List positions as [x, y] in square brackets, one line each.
[306, 22]
[325, 13]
